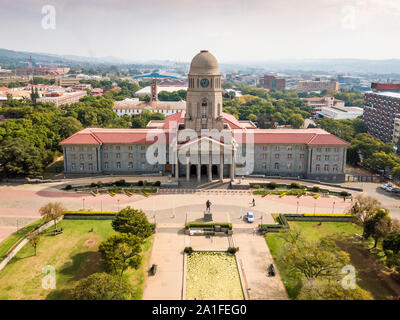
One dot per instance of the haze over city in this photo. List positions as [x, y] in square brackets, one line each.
[235, 31]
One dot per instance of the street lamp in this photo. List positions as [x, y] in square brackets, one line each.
[333, 207]
[118, 204]
[297, 210]
[101, 205]
[83, 203]
[315, 204]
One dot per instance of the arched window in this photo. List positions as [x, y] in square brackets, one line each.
[204, 109]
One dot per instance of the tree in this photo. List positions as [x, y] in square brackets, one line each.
[296, 120]
[103, 286]
[34, 241]
[311, 260]
[19, 157]
[52, 211]
[392, 242]
[377, 226]
[322, 290]
[120, 252]
[364, 207]
[68, 126]
[133, 222]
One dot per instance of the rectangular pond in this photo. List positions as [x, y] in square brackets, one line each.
[212, 276]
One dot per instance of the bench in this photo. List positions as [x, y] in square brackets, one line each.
[153, 269]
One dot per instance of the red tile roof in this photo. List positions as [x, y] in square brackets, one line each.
[311, 137]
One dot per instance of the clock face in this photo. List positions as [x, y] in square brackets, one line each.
[204, 83]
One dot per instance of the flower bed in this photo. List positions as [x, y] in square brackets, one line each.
[212, 276]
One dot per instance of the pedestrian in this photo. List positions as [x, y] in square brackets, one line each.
[254, 202]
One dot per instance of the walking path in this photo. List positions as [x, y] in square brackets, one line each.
[167, 254]
[255, 257]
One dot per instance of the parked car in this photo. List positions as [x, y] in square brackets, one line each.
[250, 217]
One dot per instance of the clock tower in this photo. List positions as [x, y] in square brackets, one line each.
[204, 95]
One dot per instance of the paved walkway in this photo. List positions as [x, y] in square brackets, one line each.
[167, 254]
[254, 258]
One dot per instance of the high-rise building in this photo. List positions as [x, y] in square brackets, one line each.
[271, 82]
[380, 111]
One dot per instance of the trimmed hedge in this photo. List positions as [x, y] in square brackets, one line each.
[207, 225]
[283, 219]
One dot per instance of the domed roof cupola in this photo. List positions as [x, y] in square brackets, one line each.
[204, 63]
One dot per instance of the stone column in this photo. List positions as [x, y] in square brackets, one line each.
[65, 158]
[176, 168]
[209, 167]
[98, 159]
[199, 172]
[187, 170]
[221, 168]
[233, 166]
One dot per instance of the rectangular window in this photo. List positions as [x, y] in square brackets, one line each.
[265, 147]
[265, 156]
[326, 158]
[130, 165]
[289, 148]
[91, 166]
[277, 148]
[264, 165]
[106, 156]
[118, 148]
[118, 155]
[106, 165]
[319, 149]
[131, 156]
[336, 149]
[142, 147]
[326, 167]
[335, 168]
[318, 168]
[327, 149]
[276, 166]
[289, 156]
[73, 166]
[130, 147]
[73, 157]
[276, 155]
[81, 157]
[89, 157]
[82, 166]
[318, 157]
[118, 165]
[142, 155]
[289, 166]
[302, 156]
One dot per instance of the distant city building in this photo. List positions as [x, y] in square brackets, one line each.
[392, 87]
[340, 113]
[317, 103]
[40, 71]
[146, 91]
[317, 85]
[380, 111]
[67, 81]
[5, 70]
[272, 83]
[134, 107]
[61, 98]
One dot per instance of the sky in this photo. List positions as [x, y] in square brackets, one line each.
[233, 30]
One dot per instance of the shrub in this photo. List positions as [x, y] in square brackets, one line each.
[315, 189]
[93, 185]
[295, 185]
[120, 183]
[68, 187]
[157, 184]
[188, 250]
[256, 186]
[99, 184]
[233, 250]
[208, 224]
[272, 185]
[344, 194]
[140, 183]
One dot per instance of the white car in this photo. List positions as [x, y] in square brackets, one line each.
[386, 186]
[250, 217]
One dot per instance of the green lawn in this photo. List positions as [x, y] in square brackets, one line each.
[74, 254]
[7, 243]
[367, 274]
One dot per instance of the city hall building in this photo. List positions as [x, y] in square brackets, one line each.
[202, 142]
